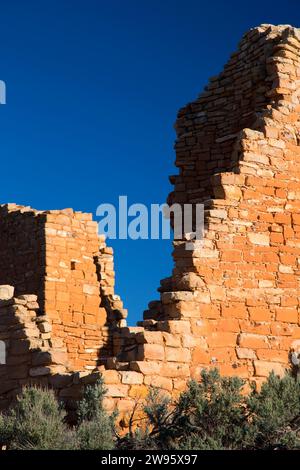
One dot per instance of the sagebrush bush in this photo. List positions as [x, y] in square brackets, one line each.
[209, 415]
[37, 421]
[96, 429]
[213, 413]
[275, 414]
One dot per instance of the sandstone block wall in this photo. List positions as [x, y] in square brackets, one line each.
[231, 302]
[72, 288]
[238, 153]
[58, 256]
[34, 355]
[31, 354]
[22, 249]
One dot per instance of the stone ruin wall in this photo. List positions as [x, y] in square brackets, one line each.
[238, 154]
[55, 256]
[232, 302]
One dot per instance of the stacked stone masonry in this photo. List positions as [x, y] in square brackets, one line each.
[231, 302]
[59, 257]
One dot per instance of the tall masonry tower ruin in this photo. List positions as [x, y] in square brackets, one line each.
[232, 303]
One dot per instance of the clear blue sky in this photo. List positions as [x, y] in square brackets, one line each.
[93, 88]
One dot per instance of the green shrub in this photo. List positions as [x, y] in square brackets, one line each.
[36, 422]
[275, 413]
[156, 430]
[215, 414]
[211, 414]
[96, 428]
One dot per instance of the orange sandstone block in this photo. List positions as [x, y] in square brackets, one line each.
[111, 377]
[261, 328]
[296, 331]
[270, 257]
[289, 301]
[150, 337]
[152, 352]
[271, 132]
[209, 311]
[296, 219]
[282, 329]
[200, 356]
[173, 341]
[174, 370]
[252, 341]
[117, 391]
[131, 377]
[177, 354]
[50, 297]
[260, 314]
[90, 319]
[237, 369]
[222, 339]
[192, 341]
[101, 316]
[264, 368]
[276, 238]
[175, 326]
[231, 255]
[146, 367]
[246, 353]
[62, 296]
[220, 355]
[91, 310]
[229, 324]
[67, 318]
[179, 384]
[272, 355]
[252, 256]
[235, 310]
[286, 314]
[159, 382]
[202, 327]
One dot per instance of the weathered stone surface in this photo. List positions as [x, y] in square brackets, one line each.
[111, 376]
[146, 367]
[132, 378]
[41, 358]
[45, 327]
[245, 353]
[264, 368]
[6, 292]
[60, 381]
[150, 337]
[178, 354]
[172, 340]
[261, 239]
[152, 352]
[175, 370]
[117, 391]
[38, 371]
[159, 382]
